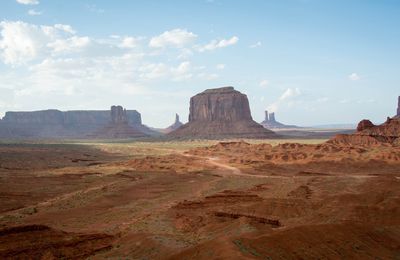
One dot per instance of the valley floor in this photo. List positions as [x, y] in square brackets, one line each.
[199, 200]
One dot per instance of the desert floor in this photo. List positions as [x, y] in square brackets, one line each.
[198, 200]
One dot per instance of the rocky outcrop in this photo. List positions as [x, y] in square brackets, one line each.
[398, 108]
[58, 124]
[174, 126]
[270, 122]
[220, 113]
[364, 124]
[369, 134]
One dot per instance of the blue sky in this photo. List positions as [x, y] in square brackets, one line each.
[311, 61]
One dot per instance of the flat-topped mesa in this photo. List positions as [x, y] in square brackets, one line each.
[220, 113]
[220, 104]
[54, 123]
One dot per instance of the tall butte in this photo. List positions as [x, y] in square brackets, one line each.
[221, 113]
[398, 108]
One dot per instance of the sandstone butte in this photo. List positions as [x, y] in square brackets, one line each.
[118, 126]
[270, 122]
[221, 113]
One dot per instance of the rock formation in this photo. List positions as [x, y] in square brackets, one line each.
[270, 122]
[398, 108]
[364, 124]
[174, 126]
[220, 113]
[369, 134]
[118, 126]
[58, 124]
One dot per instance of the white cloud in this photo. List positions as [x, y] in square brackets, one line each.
[215, 44]
[73, 44]
[285, 98]
[255, 45]
[174, 38]
[207, 76]
[182, 72]
[28, 2]
[129, 42]
[33, 12]
[220, 66]
[263, 83]
[21, 42]
[65, 27]
[185, 54]
[354, 77]
[154, 71]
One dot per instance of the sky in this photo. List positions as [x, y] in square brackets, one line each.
[312, 62]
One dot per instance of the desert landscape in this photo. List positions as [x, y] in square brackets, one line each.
[201, 129]
[271, 198]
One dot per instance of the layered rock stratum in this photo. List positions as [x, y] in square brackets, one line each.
[221, 113]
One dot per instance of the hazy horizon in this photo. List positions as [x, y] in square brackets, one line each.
[313, 62]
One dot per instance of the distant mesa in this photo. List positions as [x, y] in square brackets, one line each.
[271, 123]
[118, 126]
[220, 113]
[57, 124]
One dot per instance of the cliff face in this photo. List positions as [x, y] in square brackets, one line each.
[222, 104]
[220, 113]
[58, 124]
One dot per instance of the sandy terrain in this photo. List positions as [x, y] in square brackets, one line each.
[199, 200]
